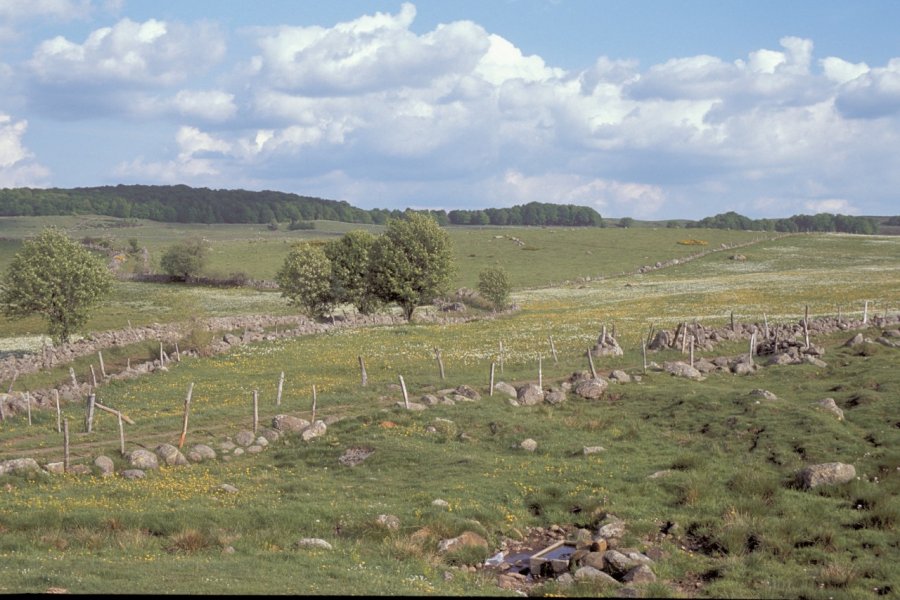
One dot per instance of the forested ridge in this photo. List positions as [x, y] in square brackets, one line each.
[184, 204]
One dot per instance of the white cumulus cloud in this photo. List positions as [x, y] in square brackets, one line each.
[17, 165]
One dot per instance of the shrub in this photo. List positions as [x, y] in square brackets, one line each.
[493, 284]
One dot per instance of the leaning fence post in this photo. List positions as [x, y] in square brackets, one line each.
[405, 395]
[66, 445]
[184, 422]
[866, 312]
[362, 371]
[553, 349]
[437, 355]
[280, 387]
[591, 363]
[102, 366]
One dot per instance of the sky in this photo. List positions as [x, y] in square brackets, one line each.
[659, 109]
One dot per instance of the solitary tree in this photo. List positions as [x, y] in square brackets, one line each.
[185, 259]
[57, 278]
[411, 263]
[305, 279]
[493, 284]
[349, 256]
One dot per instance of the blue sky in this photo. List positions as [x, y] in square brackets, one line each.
[648, 109]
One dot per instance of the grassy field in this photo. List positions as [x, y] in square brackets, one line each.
[738, 526]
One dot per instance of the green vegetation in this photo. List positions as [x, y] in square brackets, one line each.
[305, 280]
[57, 279]
[493, 285]
[185, 259]
[822, 222]
[411, 263]
[726, 519]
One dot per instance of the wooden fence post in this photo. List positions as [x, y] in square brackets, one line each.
[492, 379]
[405, 395]
[90, 412]
[66, 445]
[72, 377]
[314, 405]
[102, 365]
[280, 387]
[28, 406]
[766, 325]
[553, 350]
[591, 363]
[362, 371]
[437, 355]
[540, 372]
[58, 412]
[255, 410]
[866, 312]
[187, 410]
[806, 328]
[93, 377]
[122, 435]
[692, 351]
[644, 354]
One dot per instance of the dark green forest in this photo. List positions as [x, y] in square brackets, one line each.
[184, 204]
[824, 222]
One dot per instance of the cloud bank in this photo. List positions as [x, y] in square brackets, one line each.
[369, 111]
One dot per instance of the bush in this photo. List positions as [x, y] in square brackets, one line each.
[493, 284]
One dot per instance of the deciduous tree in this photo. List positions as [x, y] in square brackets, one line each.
[57, 278]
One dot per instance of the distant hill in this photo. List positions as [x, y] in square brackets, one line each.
[184, 204]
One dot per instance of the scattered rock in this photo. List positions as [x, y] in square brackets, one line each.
[620, 376]
[440, 503]
[682, 369]
[316, 543]
[244, 438]
[170, 455]
[591, 389]
[658, 474]
[79, 470]
[593, 449]
[590, 573]
[355, 455]
[529, 444]
[201, 452]
[289, 424]
[506, 389]
[467, 539]
[555, 397]
[530, 395]
[55, 468]
[826, 474]
[468, 392]
[18, 465]
[106, 465]
[133, 474]
[618, 563]
[315, 430]
[831, 406]
[411, 406]
[856, 340]
[388, 521]
[142, 459]
[766, 394]
[615, 529]
[639, 574]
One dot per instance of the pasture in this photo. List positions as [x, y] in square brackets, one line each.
[724, 521]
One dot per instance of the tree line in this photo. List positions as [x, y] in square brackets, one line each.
[185, 204]
[822, 222]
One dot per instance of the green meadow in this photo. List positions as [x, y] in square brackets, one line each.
[725, 521]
